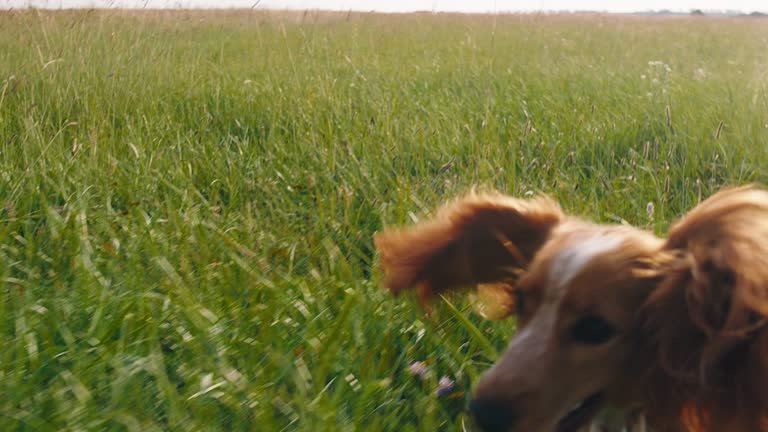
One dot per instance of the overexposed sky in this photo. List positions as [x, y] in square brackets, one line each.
[413, 5]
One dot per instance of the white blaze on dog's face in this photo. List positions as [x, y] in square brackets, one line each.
[577, 305]
[570, 261]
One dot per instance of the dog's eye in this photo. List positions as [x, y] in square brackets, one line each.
[592, 330]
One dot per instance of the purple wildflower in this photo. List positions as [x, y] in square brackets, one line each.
[418, 369]
[444, 386]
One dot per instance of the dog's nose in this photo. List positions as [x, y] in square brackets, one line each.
[491, 416]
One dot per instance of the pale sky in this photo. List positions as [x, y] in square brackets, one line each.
[413, 5]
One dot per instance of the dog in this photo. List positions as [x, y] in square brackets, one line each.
[610, 318]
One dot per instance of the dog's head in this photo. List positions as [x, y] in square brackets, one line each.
[605, 313]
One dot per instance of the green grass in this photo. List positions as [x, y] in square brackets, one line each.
[187, 200]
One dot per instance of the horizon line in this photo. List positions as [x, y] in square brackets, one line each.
[678, 12]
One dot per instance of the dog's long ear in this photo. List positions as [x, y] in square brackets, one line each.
[475, 240]
[708, 315]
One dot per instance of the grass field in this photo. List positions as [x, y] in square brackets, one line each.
[187, 199]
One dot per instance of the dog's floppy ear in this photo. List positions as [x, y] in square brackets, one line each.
[479, 239]
[708, 315]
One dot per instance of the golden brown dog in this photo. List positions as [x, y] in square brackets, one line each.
[608, 316]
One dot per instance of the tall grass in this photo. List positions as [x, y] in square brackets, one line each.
[187, 199]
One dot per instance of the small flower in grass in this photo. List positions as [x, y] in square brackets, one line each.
[649, 210]
[444, 386]
[418, 369]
